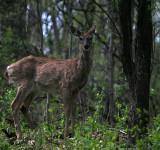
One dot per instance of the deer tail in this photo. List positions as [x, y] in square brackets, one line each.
[6, 75]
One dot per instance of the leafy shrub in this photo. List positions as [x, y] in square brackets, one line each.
[152, 141]
[91, 134]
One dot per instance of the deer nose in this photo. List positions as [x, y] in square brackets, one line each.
[86, 46]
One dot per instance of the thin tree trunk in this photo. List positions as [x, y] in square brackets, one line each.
[40, 27]
[47, 108]
[111, 64]
[56, 31]
[111, 71]
[69, 3]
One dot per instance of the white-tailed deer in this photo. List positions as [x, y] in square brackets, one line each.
[33, 74]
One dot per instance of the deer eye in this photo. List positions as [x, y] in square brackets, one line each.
[81, 38]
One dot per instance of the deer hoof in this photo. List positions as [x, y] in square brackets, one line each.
[18, 142]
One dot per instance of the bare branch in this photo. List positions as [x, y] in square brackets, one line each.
[108, 17]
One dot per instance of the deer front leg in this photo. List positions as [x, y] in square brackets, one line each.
[73, 116]
[67, 98]
[67, 111]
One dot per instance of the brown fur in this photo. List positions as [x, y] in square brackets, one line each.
[33, 74]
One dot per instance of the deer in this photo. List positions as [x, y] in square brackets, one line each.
[33, 74]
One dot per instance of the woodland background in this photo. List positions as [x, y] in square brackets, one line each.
[41, 28]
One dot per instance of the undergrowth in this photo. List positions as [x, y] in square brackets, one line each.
[92, 134]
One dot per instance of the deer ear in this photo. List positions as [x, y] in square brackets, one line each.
[92, 30]
[75, 31]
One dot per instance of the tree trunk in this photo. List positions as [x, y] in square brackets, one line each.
[69, 11]
[143, 61]
[56, 30]
[111, 71]
[39, 15]
[111, 65]
[138, 71]
[47, 109]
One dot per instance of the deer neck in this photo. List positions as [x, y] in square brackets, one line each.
[85, 60]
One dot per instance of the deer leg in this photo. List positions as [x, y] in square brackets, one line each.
[67, 111]
[67, 98]
[15, 106]
[24, 109]
[73, 116]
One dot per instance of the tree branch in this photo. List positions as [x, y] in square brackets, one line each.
[108, 17]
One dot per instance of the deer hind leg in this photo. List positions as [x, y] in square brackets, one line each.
[15, 106]
[24, 108]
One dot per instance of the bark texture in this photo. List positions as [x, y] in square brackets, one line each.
[137, 70]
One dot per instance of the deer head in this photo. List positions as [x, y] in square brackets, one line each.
[85, 38]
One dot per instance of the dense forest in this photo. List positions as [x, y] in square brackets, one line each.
[119, 107]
